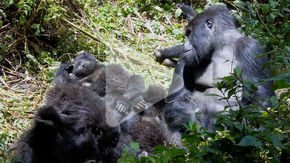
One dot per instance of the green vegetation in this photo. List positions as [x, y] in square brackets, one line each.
[36, 35]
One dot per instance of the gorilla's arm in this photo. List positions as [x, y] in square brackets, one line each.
[179, 111]
[166, 56]
[154, 94]
[177, 82]
[171, 52]
[63, 73]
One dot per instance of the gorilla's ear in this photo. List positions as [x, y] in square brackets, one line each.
[188, 11]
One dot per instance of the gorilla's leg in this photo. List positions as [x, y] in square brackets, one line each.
[179, 111]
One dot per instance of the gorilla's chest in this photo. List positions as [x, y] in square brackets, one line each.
[222, 63]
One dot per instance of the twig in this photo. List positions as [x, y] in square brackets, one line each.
[168, 20]
[265, 25]
[138, 15]
[6, 25]
[6, 85]
[20, 61]
[83, 31]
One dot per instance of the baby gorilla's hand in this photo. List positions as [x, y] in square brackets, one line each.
[138, 104]
[123, 105]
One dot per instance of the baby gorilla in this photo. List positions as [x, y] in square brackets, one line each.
[121, 90]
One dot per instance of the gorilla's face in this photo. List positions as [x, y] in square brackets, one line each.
[200, 34]
[205, 31]
[85, 64]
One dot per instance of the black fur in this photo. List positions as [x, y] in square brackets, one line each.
[70, 128]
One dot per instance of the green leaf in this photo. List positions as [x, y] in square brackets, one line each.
[176, 32]
[178, 12]
[219, 85]
[250, 141]
[135, 145]
[249, 85]
[22, 20]
[239, 126]
[285, 76]
[231, 92]
[276, 141]
[212, 150]
[158, 8]
[9, 2]
[274, 100]
[21, 4]
[238, 71]
[152, 160]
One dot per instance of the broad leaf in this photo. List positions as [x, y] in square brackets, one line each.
[250, 141]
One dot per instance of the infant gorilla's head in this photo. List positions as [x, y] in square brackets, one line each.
[85, 64]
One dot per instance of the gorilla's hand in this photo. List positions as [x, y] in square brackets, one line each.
[123, 105]
[164, 61]
[138, 104]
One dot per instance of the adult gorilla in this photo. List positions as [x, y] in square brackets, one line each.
[212, 50]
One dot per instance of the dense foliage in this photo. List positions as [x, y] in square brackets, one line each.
[37, 34]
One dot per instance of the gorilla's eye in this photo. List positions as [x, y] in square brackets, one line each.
[187, 32]
[209, 23]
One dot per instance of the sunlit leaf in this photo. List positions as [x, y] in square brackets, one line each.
[178, 12]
